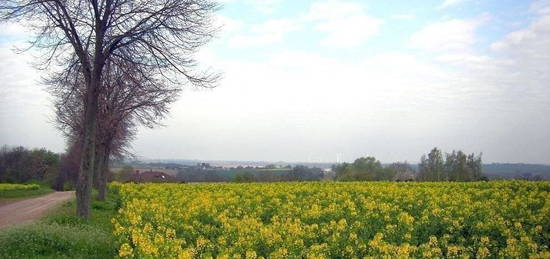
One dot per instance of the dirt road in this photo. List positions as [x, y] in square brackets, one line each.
[30, 209]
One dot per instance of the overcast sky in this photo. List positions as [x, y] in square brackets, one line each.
[317, 80]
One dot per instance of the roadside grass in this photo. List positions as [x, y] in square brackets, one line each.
[63, 235]
[15, 195]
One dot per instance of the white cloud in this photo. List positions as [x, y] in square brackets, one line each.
[541, 7]
[348, 32]
[451, 35]
[325, 104]
[372, 105]
[533, 40]
[269, 32]
[448, 3]
[345, 24]
[227, 25]
[25, 109]
[12, 29]
[264, 6]
[529, 48]
[405, 16]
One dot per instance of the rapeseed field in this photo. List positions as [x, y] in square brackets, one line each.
[334, 220]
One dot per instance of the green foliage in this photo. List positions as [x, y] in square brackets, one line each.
[244, 177]
[363, 169]
[64, 235]
[14, 186]
[432, 167]
[55, 241]
[497, 219]
[102, 212]
[22, 190]
[21, 165]
[303, 173]
[457, 166]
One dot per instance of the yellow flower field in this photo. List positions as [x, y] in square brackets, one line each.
[334, 220]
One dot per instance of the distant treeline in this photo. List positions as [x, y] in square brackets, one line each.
[267, 174]
[22, 165]
[517, 171]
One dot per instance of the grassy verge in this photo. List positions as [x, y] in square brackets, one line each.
[24, 193]
[63, 235]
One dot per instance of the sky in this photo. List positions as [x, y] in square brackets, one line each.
[327, 81]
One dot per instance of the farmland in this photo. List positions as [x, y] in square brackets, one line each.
[334, 220]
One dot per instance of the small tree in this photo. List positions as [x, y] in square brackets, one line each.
[402, 171]
[431, 168]
[457, 166]
[362, 169]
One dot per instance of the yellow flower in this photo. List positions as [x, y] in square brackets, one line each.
[250, 255]
[125, 250]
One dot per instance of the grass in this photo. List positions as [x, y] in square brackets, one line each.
[63, 235]
[25, 193]
[15, 195]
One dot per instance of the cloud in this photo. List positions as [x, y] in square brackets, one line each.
[264, 6]
[269, 32]
[451, 35]
[448, 3]
[345, 24]
[227, 25]
[25, 109]
[532, 41]
[405, 16]
[13, 32]
[541, 7]
[457, 98]
[529, 48]
[325, 104]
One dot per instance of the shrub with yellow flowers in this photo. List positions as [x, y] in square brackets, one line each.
[334, 220]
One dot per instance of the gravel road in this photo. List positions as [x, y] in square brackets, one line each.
[31, 209]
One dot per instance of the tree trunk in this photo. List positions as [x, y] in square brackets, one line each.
[103, 171]
[97, 162]
[99, 150]
[85, 175]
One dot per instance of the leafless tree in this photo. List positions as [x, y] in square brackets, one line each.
[125, 101]
[158, 36]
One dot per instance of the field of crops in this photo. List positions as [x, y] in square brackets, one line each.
[334, 220]
[4, 187]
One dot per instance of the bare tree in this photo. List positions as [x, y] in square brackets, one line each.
[124, 102]
[158, 36]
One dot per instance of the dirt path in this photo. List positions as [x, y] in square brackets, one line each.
[30, 209]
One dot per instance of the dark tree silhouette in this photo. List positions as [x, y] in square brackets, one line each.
[157, 36]
[123, 103]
